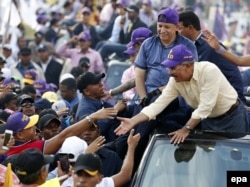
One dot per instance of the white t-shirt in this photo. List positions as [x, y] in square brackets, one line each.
[106, 182]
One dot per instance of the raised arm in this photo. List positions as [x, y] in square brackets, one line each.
[122, 88]
[52, 145]
[214, 43]
[125, 174]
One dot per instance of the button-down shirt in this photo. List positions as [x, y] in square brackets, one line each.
[96, 63]
[230, 70]
[208, 92]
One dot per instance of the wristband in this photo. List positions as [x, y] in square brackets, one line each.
[220, 50]
[110, 92]
[91, 123]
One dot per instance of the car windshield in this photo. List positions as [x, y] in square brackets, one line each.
[194, 163]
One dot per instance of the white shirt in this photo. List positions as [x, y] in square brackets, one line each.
[208, 92]
[106, 182]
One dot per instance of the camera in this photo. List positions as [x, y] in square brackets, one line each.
[16, 89]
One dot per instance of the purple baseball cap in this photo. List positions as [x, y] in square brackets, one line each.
[168, 15]
[86, 10]
[130, 49]
[10, 80]
[178, 55]
[147, 2]
[40, 85]
[29, 76]
[84, 36]
[122, 3]
[18, 121]
[140, 34]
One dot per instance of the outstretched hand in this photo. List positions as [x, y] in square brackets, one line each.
[125, 126]
[104, 113]
[211, 39]
[133, 139]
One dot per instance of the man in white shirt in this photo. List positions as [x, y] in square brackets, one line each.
[204, 88]
[88, 167]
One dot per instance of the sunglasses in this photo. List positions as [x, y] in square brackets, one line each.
[27, 104]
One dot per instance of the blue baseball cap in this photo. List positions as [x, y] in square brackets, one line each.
[178, 55]
[18, 121]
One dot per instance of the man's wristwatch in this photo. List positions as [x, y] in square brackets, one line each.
[188, 127]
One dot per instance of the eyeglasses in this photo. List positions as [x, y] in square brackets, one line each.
[27, 104]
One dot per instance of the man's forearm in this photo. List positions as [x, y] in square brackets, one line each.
[123, 87]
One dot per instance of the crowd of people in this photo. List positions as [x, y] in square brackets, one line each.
[54, 99]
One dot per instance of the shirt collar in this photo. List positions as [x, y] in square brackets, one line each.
[195, 73]
[79, 51]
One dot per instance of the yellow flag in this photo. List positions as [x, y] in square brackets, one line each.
[51, 183]
[51, 2]
[8, 176]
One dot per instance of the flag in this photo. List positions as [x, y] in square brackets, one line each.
[219, 28]
[8, 176]
[51, 183]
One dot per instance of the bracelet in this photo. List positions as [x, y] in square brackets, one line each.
[220, 50]
[91, 123]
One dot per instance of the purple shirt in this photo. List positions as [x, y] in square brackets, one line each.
[96, 63]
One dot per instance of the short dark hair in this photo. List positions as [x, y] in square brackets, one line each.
[190, 18]
[70, 83]
[28, 89]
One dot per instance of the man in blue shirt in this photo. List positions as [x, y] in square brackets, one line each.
[152, 76]
[190, 27]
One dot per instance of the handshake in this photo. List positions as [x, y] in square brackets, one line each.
[145, 101]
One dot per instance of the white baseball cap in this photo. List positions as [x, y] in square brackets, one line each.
[66, 76]
[58, 105]
[74, 146]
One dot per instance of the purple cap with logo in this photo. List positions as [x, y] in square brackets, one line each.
[178, 55]
[84, 36]
[29, 76]
[147, 2]
[130, 49]
[122, 3]
[41, 86]
[86, 10]
[18, 121]
[168, 15]
[140, 34]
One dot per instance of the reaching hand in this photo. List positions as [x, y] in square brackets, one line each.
[104, 113]
[133, 139]
[211, 39]
[125, 126]
[97, 144]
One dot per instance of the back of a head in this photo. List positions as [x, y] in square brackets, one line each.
[28, 89]
[190, 18]
[70, 83]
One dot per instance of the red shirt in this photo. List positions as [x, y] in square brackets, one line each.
[38, 144]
